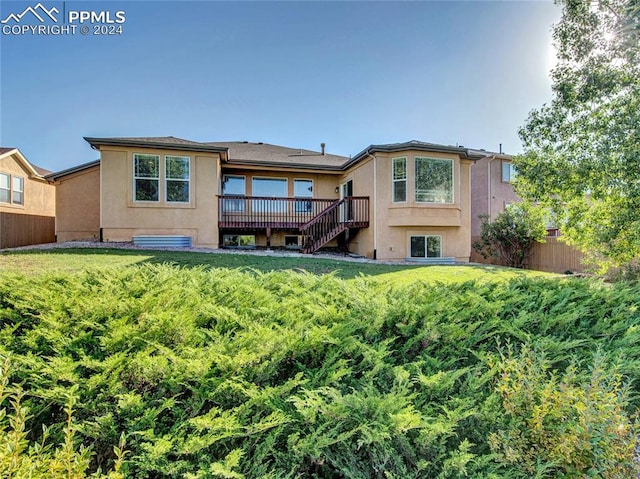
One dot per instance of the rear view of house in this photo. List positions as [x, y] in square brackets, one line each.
[392, 201]
[27, 202]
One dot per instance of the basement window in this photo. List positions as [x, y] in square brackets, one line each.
[292, 242]
[426, 246]
[239, 241]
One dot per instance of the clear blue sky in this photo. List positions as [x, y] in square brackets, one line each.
[291, 73]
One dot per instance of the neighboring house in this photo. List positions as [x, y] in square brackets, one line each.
[392, 201]
[491, 188]
[491, 192]
[77, 202]
[27, 202]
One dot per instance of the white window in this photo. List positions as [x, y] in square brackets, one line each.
[509, 172]
[270, 188]
[5, 188]
[399, 180]
[17, 195]
[146, 177]
[434, 180]
[233, 186]
[428, 246]
[303, 189]
[177, 178]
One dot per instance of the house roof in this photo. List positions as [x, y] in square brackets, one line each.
[265, 154]
[466, 153]
[163, 142]
[33, 170]
[72, 170]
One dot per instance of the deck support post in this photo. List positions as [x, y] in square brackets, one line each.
[268, 238]
[346, 241]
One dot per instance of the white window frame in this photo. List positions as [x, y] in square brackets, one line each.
[510, 170]
[453, 184]
[426, 245]
[7, 189]
[395, 180]
[303, 206]
[234, 206]
[135, 155]
[167, 179]
[14, 190]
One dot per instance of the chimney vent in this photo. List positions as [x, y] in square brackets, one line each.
[501, 148]
[322, 145]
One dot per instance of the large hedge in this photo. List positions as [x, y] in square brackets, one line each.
[228, 374]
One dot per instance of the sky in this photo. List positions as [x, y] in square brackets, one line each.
[348, 74]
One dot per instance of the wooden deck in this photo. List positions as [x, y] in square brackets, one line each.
[318, 220]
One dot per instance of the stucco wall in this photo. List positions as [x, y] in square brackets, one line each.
[324, 185]
[489, 194]
[392, 224]
[78, 206]
[123, 218]
[39, 196]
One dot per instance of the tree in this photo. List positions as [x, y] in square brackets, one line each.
[511, 236]
[582, 151]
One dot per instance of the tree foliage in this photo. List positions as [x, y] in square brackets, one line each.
[511, 236]
[582, 151]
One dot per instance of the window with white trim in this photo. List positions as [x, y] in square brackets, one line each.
[177, 178]
[17, 194]
[5, 188]
[399, 179]
[434, 180]
[509, 172]
[146, 177]
[425, 246]
[303, 189]
[233, 185]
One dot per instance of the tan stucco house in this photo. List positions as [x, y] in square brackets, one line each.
[391, 201]
[27, 201]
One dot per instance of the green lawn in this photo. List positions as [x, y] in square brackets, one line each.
[74, 260]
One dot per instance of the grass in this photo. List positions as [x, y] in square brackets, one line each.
[74, 260]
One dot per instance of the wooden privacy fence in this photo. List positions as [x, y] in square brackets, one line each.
[553, 256]
[22, 230]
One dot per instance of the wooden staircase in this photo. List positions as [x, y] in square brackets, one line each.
[327, 225]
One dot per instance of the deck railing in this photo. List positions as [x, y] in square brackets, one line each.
[265, 212]
[235, 211]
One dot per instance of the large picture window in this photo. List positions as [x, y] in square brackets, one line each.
[272, 188]
[426, 246]
[17, 196]
[399, 180]
[5, 188]
[434, 180]
[177, 178]
[146, 177]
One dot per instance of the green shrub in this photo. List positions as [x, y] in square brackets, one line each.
[21, 458]
[561, 425]
[226, 373]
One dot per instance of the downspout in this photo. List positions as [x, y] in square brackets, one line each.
[491, 158]
[375, 205]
